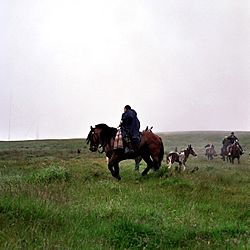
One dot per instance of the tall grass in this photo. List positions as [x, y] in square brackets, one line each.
[51, 197]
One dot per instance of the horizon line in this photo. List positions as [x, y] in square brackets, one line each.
[83, 138]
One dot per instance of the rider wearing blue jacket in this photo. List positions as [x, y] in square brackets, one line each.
[130, 126]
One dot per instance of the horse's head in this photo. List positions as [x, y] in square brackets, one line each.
[100, 136]
[191, 150]
[93, 139]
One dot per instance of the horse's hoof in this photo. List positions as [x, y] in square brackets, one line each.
[119, 178]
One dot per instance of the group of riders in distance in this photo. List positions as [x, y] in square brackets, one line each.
[230, 149]
[127, 142]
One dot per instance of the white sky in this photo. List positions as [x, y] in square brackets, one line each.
[68, 64]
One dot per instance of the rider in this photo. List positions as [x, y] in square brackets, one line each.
[225, 144]
[231, 139]
[130, 126]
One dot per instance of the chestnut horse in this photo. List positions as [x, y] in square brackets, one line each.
[181, 157]
[234, 152]
[151, 148]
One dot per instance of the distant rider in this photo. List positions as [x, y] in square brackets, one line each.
[232, 138]
[228, 141]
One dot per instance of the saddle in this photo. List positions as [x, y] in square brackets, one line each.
[124, 141]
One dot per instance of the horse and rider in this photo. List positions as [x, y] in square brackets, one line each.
[127, 142]
[229, 143]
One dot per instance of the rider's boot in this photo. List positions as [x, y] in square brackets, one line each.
[129, 148]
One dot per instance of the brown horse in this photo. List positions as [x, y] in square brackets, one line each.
[151, 148]
[181, 157]
[234, 152]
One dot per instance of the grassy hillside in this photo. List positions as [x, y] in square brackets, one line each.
[52, 197]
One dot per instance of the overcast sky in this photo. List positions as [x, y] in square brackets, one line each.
[68, 64]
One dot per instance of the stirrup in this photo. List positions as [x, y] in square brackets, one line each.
[128, 150]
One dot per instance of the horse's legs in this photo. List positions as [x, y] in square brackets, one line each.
[169, 161]
[180, 165]
[113, 166]
[137, 162]
[152, 161]
[184, 166]
[156, 161]
[149, 162]
[111, 169]
[116, 171]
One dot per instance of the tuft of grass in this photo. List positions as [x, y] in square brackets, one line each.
[178, 183]
[49, 174]
[126, 234]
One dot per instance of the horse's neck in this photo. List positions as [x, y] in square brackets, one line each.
[186, 153]
[109, 145]
[108, 137]
[108, 148]
[182, 155]
[235, 146]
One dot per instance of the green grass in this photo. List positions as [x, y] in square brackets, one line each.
[51, 197]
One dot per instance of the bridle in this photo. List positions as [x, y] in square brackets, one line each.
[93, 138]
[190, 150]
[94, 142]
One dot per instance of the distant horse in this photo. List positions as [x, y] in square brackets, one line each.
[225, 155]
[150, 149]
[181, 157]
[210, 151]
[234, 152]
[226, 151]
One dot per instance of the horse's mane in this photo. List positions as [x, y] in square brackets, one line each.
[102, 126]
[107, 133]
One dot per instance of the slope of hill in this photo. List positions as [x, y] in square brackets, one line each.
[53, 196]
